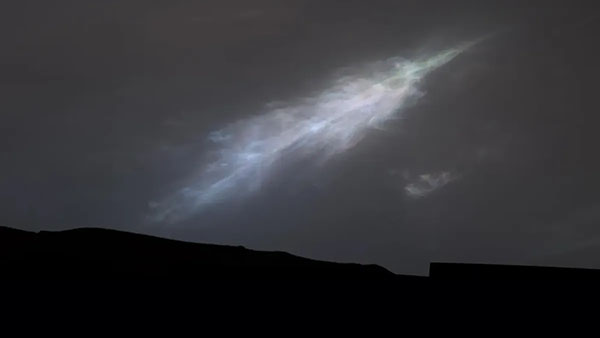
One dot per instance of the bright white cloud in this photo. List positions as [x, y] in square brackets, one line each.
[322, 125]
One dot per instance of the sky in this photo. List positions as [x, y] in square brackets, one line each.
[114, 112]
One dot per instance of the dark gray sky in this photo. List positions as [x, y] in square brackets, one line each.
[105, 106]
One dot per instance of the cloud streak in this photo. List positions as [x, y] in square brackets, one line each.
[323, 125]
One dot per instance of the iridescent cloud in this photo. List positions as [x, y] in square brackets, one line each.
[331, 122]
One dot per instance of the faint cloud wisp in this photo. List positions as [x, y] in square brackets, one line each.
[428, 183]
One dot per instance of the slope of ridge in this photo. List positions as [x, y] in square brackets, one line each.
[103, 253]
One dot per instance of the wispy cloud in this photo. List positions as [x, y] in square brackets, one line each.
[427, 183]
[329, 123]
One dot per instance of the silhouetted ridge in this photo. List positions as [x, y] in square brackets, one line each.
[102, 253]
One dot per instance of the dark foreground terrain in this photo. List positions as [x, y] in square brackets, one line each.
[109, 254]
[102, 253]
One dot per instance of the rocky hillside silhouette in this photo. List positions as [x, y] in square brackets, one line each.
[91, 253]
[102, 253]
